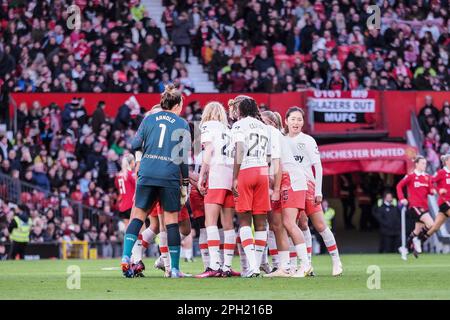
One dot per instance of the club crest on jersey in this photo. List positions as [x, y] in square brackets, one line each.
[300, 146]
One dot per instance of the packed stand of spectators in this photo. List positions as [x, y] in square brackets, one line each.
[117, 48]
[290, 45]
[47, 227]
[435, 126]
[72, 159]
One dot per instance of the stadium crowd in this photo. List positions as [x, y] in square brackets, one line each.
[435, 126]
[117, 48]
[73, 159]
[256, 46]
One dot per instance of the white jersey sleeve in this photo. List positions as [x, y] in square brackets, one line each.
[275, 143]
[312, 150]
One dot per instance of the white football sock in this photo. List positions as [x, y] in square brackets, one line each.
[308, 242]
[203, 245]
[284, 260]
[242, 257]
[228, 249]
[249, 247]
[136, 252]
[273, 251]
[260, 246]
[330, 243]
[292, 255]
[164, 249]
[302, 254]
[212, 233]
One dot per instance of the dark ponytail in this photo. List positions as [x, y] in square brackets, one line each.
[247, 107]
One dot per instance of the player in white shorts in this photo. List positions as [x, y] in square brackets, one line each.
[293, 193]
[307, 155]
[214, 183]
[251, 138]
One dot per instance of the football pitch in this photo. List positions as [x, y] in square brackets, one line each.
[425, 278]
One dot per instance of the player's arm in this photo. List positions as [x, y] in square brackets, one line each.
[314, 155]
[237, 164]
[401, 196]
[206, 160]
[238, 138]
[431, 188]
[437, 179]
[275, 147]
[138, 140]
[184, 165]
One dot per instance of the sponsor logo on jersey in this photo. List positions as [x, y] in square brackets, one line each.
[299, 158]
[300, 146]
[418, 184]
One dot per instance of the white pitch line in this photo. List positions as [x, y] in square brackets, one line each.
[111, 268]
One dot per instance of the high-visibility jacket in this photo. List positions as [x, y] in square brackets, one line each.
[22, 232]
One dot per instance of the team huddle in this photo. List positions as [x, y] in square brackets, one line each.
[262, 169]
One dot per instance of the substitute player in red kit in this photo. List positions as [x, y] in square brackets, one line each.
[442, 182]
[125, 182]
[418, 185]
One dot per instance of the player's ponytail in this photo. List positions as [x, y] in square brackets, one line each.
[247, 107]
[214, 111]
[170, 97]
[272, 119]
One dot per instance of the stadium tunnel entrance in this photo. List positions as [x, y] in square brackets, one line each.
[356, 174]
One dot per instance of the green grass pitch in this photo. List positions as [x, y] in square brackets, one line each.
[425, 278]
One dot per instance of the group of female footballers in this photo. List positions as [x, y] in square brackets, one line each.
[261, 168]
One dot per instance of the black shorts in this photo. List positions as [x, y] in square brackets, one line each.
[417, 212]
[444, 208]
[125, 214]
[146, 196]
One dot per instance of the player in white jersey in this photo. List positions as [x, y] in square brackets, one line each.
[276, 230]
[215, 182]
[306, 154]
[251, 138]
[293, 193]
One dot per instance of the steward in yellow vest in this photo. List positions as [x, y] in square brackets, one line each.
[20, 228]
